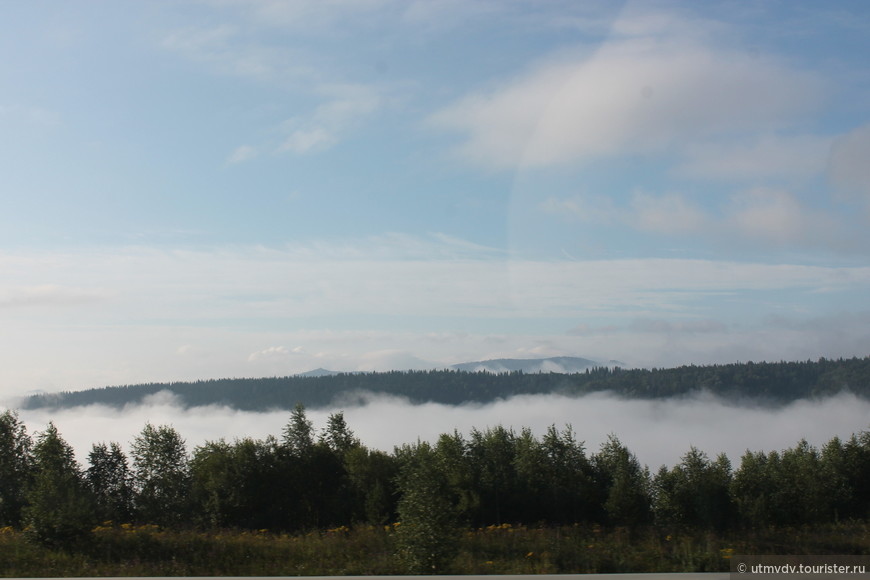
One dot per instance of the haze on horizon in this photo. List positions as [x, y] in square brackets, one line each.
[222, 188]
[658, 431]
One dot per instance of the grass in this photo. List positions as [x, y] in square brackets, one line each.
[128, 550]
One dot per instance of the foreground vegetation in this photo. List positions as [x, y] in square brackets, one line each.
[147, 550]
[323, 503]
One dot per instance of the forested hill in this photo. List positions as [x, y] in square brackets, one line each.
[770, 383]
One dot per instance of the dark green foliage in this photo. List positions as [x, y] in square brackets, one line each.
[337, 436]
[802, 494]
[695, 492]
[567, 471]
[426, 537]
[298, 433]
[455, 463]
[15, 467]
[323, 485]
[623, 484]
[239, 484]
[161, 474]
[298, 484]
[492, 453]
[801, 485]
[753, 488]
[774, 383]
[314, 475]
[60, 509]
[372, 493]
[494, 479]
[851, 464]
[111, 482]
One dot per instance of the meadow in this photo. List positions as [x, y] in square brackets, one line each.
[148, 550]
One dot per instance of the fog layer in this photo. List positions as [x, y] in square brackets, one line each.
[659, 432]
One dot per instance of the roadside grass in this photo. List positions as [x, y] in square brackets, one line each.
[146, 550]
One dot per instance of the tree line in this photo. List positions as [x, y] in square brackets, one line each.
[773, 383]
[308, 479]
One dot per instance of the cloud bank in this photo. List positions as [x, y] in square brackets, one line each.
[658, 84]
[133, 315]
[659, 432]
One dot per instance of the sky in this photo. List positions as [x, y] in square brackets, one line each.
[244, 188]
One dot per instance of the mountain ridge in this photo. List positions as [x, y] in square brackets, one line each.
[557, 364]
[772, 384]
[553, 364]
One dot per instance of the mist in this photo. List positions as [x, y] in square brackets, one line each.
[659, 432]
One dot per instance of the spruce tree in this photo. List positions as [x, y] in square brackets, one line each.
[15, 467]
[60, 511]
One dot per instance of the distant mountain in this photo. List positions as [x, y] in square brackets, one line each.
[555, 364]
[318, 372]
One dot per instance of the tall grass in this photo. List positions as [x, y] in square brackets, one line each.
[127, 550]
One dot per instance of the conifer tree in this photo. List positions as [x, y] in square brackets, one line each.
[60, 511]
[298, 433]
[626, 492]
[15, 467]
[338, 436]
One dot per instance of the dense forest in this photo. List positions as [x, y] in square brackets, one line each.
[424, 494]
[766, 383]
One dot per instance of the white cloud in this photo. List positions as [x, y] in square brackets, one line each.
[585, 208]
[436, 13]
[406, 275]
[778, 216]
[641, 93]
[187, 350]
[272, 352]
[235, 50]
[679, 326]
[667, 214]
[385, 360]
[242, 153]
[199, 42]
[308, 140]
[764, 217]
[347, 106]
[849, 165]
[306, 16]
[373, 303]
[670, 214]
[322, 17]
[226, 50]
[768, 156]
[50, 295]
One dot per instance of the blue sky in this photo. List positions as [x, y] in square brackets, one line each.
[250, 188]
